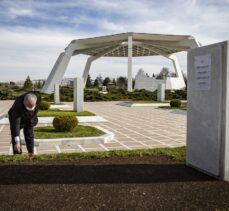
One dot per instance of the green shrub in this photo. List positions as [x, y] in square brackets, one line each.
[66, 93]
[65, 123]
[175, 103]
[176, 94]
[44, 105]
[47, 97]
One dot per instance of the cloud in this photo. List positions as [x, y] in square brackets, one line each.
[14, 13]
[33, 33]
[110, 26]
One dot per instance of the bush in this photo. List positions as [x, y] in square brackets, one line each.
[175, 103]
[44, 105]
[47, 97]
[65, 123]
[66, 94]
[176, 94]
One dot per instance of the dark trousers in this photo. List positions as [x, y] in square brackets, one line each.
[29, 139]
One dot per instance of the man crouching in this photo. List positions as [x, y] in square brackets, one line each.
[23, 114]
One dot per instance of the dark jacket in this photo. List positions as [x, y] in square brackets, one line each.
[20, 117]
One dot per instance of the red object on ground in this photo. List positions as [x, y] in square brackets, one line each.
[30, 156]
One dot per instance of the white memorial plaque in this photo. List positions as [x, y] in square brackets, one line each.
[203, 72]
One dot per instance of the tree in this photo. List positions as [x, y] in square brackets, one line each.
[96, 83]
[114, 81]
[133, 82]
[106, 81]
[163, 73]
[89, 82]
[28, 85]
[122, 82]
[99, 80]
[38, 85]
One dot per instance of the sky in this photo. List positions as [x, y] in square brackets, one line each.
[34, 32]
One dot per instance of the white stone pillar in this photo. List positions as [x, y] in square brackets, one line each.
[57, 94]
[161, 92]
[78, 92]
[130, 45]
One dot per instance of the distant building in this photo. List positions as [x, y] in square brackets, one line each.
[143, 81]
[19, 83]
[67, 81]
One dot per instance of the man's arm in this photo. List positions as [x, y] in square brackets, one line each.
[15, 121]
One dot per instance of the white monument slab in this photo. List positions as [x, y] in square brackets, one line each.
[208, 110]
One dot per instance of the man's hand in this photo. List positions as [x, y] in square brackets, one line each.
[17, 147]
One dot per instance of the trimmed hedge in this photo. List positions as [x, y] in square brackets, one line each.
[176, 103]
[44, 105]
[65, 123]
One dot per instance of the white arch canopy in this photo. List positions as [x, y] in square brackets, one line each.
[121, 45]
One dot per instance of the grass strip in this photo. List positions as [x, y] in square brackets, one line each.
[173, 108]
[178, 153]
[144, 102]
[49, 132]
[57, 112]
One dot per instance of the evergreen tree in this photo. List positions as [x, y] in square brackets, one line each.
[96, 83]
[164, 73]
[106, 81]
[122, 82]
[89, 82]
[133, 82]
[100, 80]
[38, 85]
[114, 82]
[28, 85]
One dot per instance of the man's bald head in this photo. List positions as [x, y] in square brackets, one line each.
[30, 100]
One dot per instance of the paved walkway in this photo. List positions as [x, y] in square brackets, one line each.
[134, 128]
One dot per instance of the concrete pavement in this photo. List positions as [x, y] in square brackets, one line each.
[134, 128]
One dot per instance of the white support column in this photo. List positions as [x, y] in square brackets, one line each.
[161, 92]
[87, 68]
[78, 91]
[176, 65]
[130, 45]
[57, 72]
[56, 94]
[178, 71]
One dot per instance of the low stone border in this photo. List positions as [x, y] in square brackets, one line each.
[48, 120]
[60, 107]
[143, 104]
[129, 104]
[106, 138]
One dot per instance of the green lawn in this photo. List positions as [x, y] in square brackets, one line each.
[52, 103]
[57, 112]
[92, 89]
[48, 132]
[183, 107]
[178, 153]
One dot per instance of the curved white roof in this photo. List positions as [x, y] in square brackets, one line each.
[143, 44]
